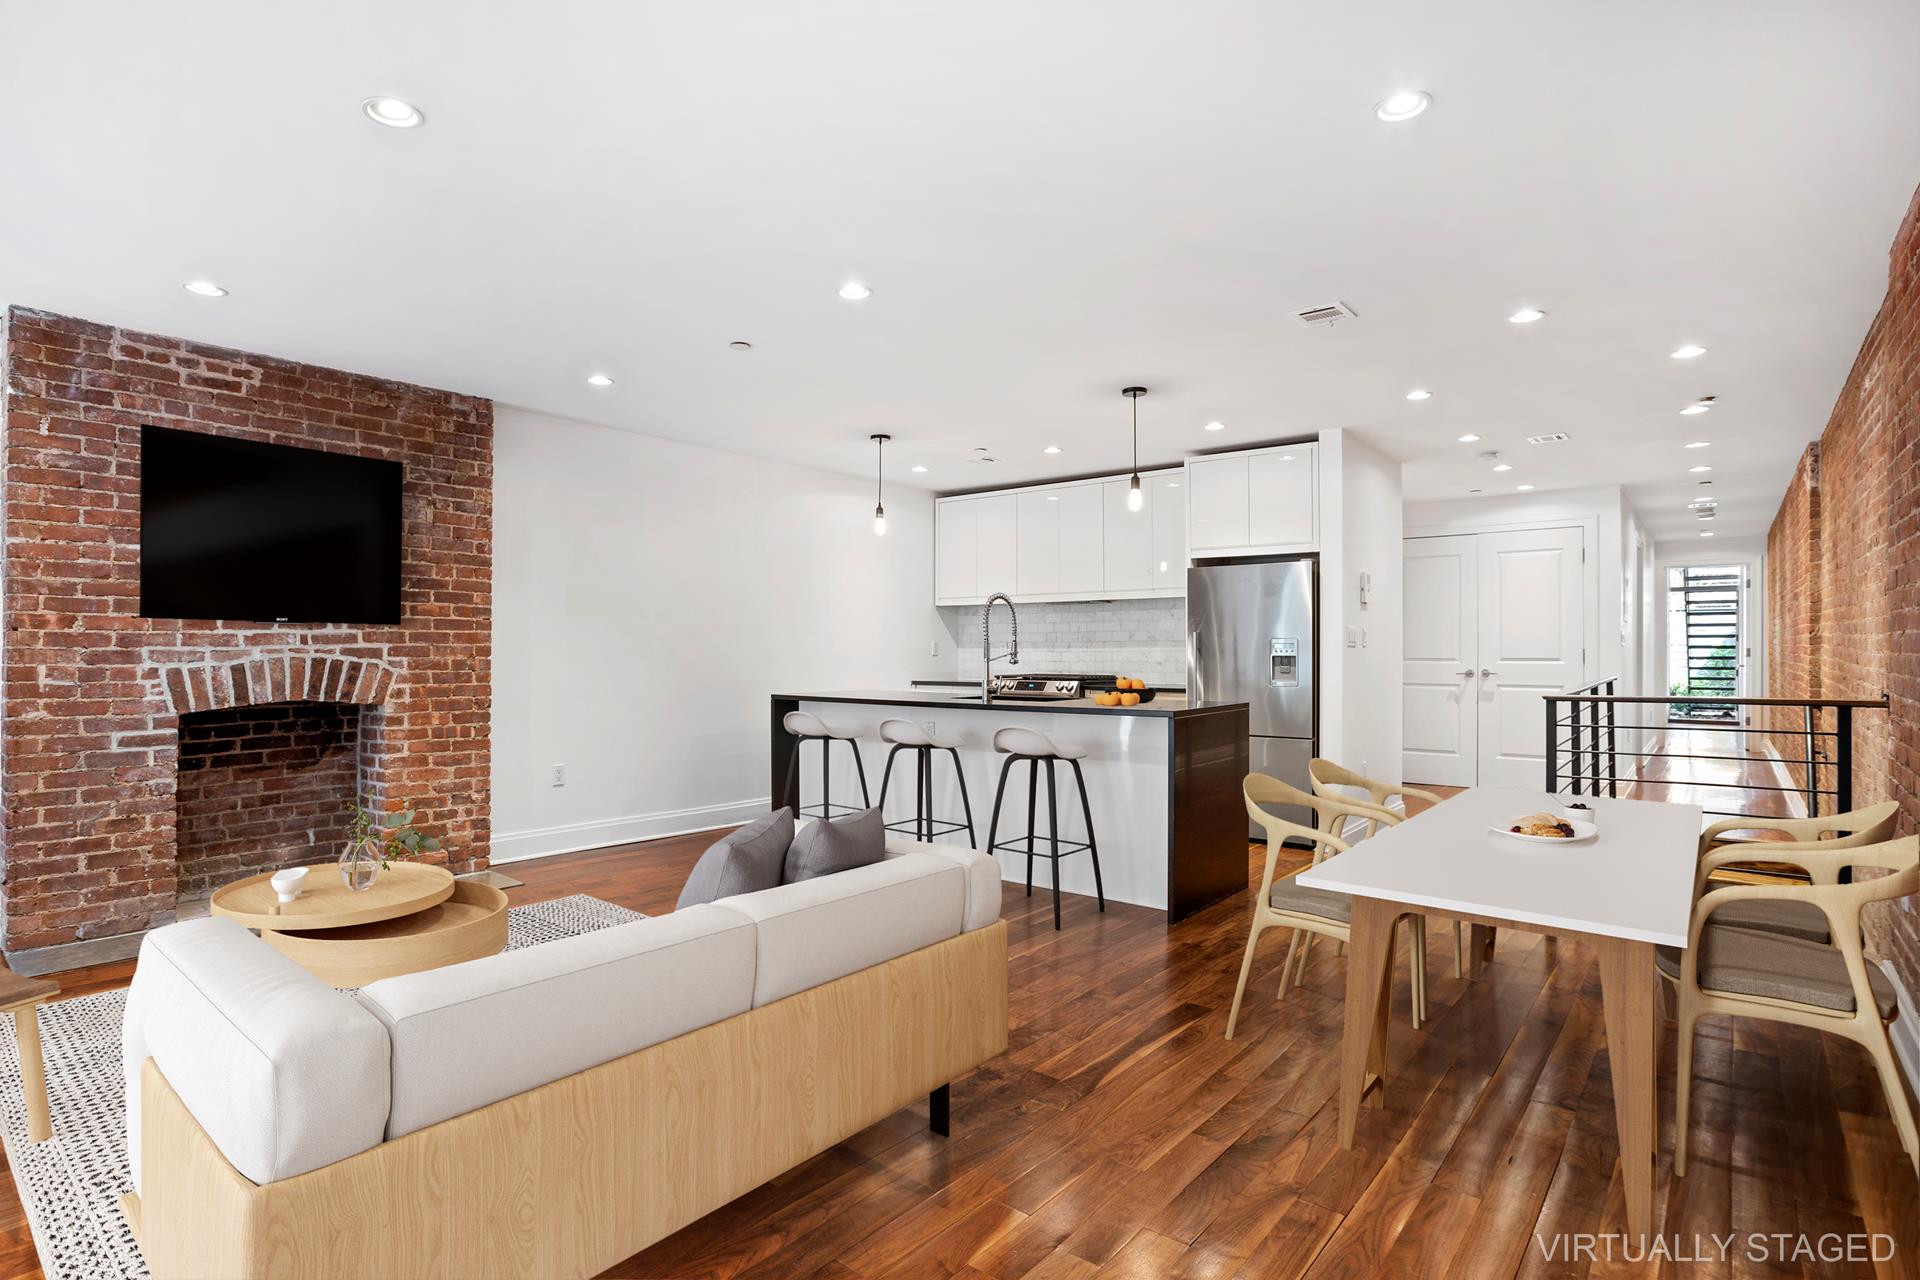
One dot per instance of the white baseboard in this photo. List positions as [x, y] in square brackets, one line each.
[1905, 1031]
[1795, 801]
[518, 846]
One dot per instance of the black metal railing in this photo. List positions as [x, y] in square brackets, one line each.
[1584, 756]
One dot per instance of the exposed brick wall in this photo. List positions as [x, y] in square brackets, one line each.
[93, 693]
[263, 787]
[1844, 578]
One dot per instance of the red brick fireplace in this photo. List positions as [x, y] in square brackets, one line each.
[275, 728]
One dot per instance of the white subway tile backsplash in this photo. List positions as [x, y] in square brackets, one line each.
[1144, 638]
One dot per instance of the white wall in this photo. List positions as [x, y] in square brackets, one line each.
[1362, 721]
[649, 596]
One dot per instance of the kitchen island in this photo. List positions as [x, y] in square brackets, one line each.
[1163, 782]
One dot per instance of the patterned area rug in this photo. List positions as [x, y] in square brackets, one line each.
[71, 1184]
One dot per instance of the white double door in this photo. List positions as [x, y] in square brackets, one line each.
[1494, 621]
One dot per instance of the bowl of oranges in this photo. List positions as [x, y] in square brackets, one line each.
[1126, 692]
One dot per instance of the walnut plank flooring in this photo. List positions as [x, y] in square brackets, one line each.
[1121, 1137]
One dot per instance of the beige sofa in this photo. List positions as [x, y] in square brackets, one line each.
[553, 1110]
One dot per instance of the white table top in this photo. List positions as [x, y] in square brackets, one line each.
[1634, 880]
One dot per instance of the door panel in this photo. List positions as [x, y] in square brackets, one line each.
[1167, 504]
[1129, 538]
[1442, 620]
[1285, 759]
[994, 565]
[1532, 637]
[957, 529]
[1217, 502]
[1082, 559]
[1037, 544]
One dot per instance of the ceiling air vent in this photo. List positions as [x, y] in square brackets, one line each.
[1557, 437]
[981, 455]
[1332, 313]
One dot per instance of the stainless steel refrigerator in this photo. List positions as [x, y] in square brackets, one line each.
[1252, 638]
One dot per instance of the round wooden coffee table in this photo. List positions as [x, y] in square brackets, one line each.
[413, 917]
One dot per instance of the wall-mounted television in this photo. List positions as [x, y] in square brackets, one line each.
[252, 532]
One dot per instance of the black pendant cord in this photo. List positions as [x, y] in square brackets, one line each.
[880, 475]
[1136, 438]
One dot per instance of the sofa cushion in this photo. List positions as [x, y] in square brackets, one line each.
[470, 1034]
[824, 848]
[746, 861]
[830, 926]
[982, 871]
[284, 1073]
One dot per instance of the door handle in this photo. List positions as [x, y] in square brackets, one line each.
[1484, 673]
[1468, 673]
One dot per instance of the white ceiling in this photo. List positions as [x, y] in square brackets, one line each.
[1049, 201]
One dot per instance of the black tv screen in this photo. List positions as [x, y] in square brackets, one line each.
[235, 529]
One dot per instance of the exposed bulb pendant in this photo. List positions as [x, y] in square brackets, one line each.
[879, 479]
[1135, 498]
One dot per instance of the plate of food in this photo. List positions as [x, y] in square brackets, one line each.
[1547, 828]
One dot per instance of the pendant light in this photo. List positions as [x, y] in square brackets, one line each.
[1135, 499]
[879, 439]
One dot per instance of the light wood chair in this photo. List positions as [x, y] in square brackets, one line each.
[1310, 912]
[1328, 778]
[1754, 973]
[1764, 859]
[22, 997]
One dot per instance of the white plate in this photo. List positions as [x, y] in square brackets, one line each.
[1582, 830]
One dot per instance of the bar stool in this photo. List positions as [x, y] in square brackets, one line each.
[1034, 747]
[905, 735]
[808, 727]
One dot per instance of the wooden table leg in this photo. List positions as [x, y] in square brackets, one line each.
[1480, 939]
[1363, 1044]
[1626, 982]
[33, 1076]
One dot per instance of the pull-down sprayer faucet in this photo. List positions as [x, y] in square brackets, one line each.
[987, 654]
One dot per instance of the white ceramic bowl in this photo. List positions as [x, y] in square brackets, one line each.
[287, 884]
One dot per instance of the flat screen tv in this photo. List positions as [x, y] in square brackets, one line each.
[236, 529]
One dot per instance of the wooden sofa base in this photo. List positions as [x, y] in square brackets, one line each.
[572, 1177]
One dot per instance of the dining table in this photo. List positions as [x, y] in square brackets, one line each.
[1625, 889]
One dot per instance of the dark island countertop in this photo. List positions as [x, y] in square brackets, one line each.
[1172, 706]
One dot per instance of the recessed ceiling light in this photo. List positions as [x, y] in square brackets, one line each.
[1699, 444]
[1503, 466]
[738, 345]
[1052, 448]
[1404, 105]
[395, 113]
[917, 469]
[205, 288]
[1699, 469]
[1688, 352]
[1216, 426]
[1468, 438]
[1701, 405]
[1526, 315]
[1706, 533]
[599, 380]
[1418, 394]
[1053, 497]
[853, 291]
[1524, 488]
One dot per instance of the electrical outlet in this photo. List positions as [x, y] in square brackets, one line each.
[928, 726]
[559, 775]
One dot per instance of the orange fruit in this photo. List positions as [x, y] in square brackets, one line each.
[1129, 699]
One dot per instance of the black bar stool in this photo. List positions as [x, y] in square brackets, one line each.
[808, 727]
[905, 735]
[1036, 748]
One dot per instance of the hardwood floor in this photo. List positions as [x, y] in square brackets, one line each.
[1122, 1136]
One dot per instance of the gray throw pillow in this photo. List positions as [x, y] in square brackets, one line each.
[746, 861]
[822, 848]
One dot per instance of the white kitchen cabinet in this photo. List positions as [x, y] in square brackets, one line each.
[1217, 502]
[1129, 539]
[1037, 543]
[1082, 539]
[974, 550]
[994, 564]
[1280, 498]
[1073, 541]
[1262, 501]
[1167, 505]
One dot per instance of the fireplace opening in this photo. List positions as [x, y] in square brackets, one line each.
[263, 787]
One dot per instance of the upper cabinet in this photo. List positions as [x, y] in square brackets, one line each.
[1258, 502]
[1075, 541]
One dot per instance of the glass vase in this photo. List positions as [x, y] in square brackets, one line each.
[360, 864]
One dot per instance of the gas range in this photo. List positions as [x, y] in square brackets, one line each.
[1048, 688]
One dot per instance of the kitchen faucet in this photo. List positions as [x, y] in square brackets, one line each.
[987, 654]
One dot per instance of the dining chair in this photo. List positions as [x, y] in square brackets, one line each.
[1329, 779]
[1756, 973]
[1310, 912]
[1797, 918]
